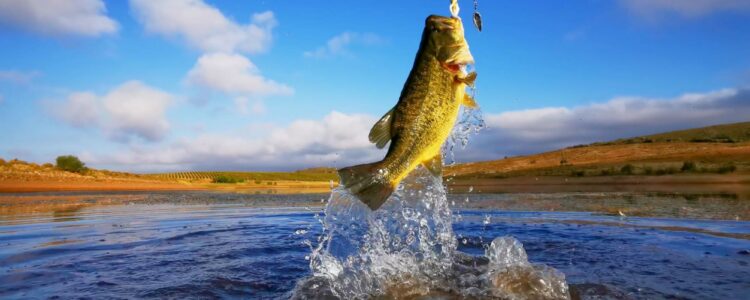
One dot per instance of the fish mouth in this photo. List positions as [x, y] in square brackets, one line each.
[459, 60]
[457, 66]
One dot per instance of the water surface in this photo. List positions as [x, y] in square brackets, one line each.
[204, 245]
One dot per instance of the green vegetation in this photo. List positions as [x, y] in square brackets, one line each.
[227, 179]
[728, 168]
[648, 170]
[666, 171]
[627, 169]
[70, 163]
[269, 178]
[727, 133]
[688, 166]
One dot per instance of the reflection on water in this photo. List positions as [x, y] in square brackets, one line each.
[206, 245]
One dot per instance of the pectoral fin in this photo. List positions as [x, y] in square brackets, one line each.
[380, 133]
[469, 102]
[434, 165]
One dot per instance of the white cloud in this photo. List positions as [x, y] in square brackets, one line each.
[137, 109]
[245, 106]
[340, 139]
[132, 109]
[221, 67]
[233, 74]
[59, 17]
[81, 109]
[339, 45]
[18, 77]
[651, 9]
[203, 26]
[336, 140]
[536, 130]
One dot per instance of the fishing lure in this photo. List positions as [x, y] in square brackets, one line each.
[477, 16]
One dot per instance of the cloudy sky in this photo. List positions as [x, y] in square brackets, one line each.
[166, 85]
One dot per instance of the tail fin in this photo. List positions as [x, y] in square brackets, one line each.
[363, 182]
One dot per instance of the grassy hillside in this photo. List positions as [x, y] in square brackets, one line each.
[726, 133]
[318, 174]
[718, 149]
[26, 171]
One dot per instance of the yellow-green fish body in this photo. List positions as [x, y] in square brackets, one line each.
[424, 116]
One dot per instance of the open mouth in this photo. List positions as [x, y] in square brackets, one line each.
[458, 63]
[456, 66]
[453, 67]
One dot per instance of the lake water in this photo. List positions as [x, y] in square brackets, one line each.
[210, 245]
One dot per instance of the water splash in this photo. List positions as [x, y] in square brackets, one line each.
[470, 122]
[407, 249]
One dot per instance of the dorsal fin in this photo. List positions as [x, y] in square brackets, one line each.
[380, 133]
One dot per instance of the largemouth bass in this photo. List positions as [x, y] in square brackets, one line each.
[424, 116]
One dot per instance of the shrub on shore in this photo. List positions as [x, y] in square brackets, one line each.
[648, 170]
[688, 166]
[728, 168]
[627, 169]
[71, 163]
[227, 179]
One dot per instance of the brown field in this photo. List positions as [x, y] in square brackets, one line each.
[599, 157]
[22, 177]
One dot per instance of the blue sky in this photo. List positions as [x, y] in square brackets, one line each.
[279, 85]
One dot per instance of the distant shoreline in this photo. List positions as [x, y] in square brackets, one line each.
[281, 187]
[685, 182]
[738, 184]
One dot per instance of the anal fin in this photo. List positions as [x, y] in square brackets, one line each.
[363, 181]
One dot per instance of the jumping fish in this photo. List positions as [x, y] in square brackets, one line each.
[424, 116]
